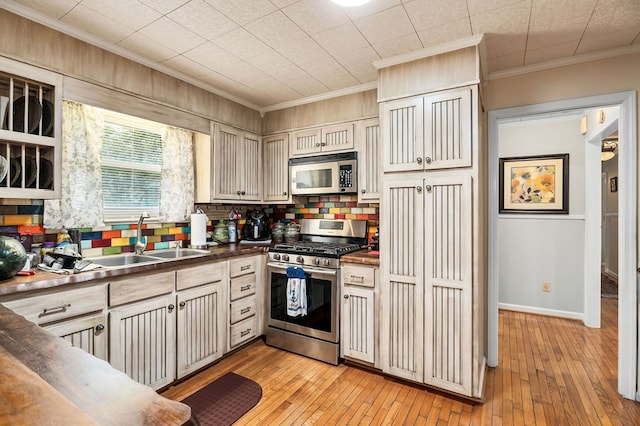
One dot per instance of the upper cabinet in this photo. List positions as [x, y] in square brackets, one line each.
[30, 131]
[326, 139]
[276, 168]
[369, 159]
[428, 132]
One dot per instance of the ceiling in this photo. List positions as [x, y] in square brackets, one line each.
[267, 54]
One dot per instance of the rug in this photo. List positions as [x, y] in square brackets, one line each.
[223, 401]
[608, 288]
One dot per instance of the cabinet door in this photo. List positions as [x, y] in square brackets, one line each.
[357, 319]
[448, 129]
[402, 135]
[336, 138]
[448, 280]
[142, 341]
[249, 167]
[87, 333]
[227, 149]
[201, 327]
[368, 136]
[276, 168]
[401, 336]
[305, 142]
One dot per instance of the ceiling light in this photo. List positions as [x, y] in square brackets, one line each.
[350, 3]
[609, 149]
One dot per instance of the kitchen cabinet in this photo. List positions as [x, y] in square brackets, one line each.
[237, 165]
[201, 328]
[428, 132]
[276, 168]
[142, 327]
[88, 333]
[29, 142]
[358, 314]
[337, 137]
[369, 160]
[244, 299]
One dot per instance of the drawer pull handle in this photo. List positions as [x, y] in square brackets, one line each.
[245, 287]
[245, 332]
[55, 309]
[245, 310]
[245, 267]
[357, 277]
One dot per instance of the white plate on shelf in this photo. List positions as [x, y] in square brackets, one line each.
[4, 168]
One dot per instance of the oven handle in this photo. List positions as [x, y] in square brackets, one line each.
[309, 270]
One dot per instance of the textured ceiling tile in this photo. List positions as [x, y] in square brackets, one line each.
[398, 46]
[483, 6]
[506, 44]
[186, 66]
[172, 35]
[243, 11]
[614, 15]
[426, 14]
[360, 64]
[443, 33]
[370, 8]
[242, 44]
[164, 6]
[554, 12]
[314, 16]
[344, 38]
[302, 50]
[505, 62]
[93, 23]
[275, 29]
[146, 47]
[540, 38]
[211, 56]
[508, 20]
[376, 28]
[202, 19]
[610, 40]
[549, 53]
[55, 9]
[329, 72]
[131, 13]
[282, 3]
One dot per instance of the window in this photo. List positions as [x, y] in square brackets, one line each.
[131, 167]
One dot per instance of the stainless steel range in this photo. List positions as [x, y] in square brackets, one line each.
[316, 332]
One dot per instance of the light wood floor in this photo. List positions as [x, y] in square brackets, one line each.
[552, 371]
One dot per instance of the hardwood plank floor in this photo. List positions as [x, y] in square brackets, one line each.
[552, 371]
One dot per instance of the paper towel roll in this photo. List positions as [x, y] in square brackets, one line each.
[199, 230]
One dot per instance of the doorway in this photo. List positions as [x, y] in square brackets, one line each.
[627, 246]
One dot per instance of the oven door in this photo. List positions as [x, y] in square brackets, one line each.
[321, 321]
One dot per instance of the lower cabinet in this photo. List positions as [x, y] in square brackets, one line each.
[358, 313]
[244, 280]
[87, 333]
[142, 341]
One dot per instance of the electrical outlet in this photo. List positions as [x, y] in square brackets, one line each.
[546, 287]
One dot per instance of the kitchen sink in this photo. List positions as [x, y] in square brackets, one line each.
[123, 259]
[176, 253]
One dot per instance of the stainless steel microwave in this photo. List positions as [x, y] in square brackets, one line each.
[324, 174]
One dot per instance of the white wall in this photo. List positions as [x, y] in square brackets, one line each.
[534, 249]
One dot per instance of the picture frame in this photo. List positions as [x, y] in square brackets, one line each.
[534, 184]
[613, 184]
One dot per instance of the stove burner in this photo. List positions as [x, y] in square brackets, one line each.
[316, 248]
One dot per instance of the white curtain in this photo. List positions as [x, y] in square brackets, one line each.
[177, 181]
[80, 203]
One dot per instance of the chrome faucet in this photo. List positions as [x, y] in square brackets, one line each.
[141, 245]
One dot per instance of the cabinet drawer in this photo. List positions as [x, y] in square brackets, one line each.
[200, 274]
[358, 275]
[243, 331]
[243, 308]
[140, 287]
[64, 304]
[242, 266]
[243, 286]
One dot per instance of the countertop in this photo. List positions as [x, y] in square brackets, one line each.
[363, 257]
[45, 380]
[46, 280]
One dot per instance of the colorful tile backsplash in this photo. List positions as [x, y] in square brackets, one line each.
[24, 217]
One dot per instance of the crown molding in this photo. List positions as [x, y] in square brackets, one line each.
[561, 62]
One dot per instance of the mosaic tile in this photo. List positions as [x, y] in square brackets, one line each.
[111, 234]
[91, 235]
[122, 227]
[17, 220]
[160, 246]
[91, 252]
[119, 242]
[112, 250]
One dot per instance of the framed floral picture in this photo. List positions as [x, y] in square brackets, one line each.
[537, 184]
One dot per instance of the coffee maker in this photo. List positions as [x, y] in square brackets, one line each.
[257, 226]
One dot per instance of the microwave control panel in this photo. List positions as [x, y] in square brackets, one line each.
[346, 176]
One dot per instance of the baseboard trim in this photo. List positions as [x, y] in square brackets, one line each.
[542, 311]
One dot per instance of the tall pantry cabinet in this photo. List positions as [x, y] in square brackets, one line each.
[433, 226]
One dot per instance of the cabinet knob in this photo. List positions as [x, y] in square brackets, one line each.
[346, 296]
[419, 189]
[171, 307]
[243, 193]
[284, 193]
[182, 304]
[237, 192]
[427, 160]
[363, 191]
[323, 144]
[99, 327]
[428, 188]
[317, 143]
[419, 160]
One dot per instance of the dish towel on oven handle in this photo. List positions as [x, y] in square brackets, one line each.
[296, 292]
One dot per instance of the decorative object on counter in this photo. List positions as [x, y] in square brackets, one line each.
[277, 233]
[13, 256]
[199, 229]
[231, 230]
[374, 241]
[257, 226]
[220, 232]
[292, 232]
